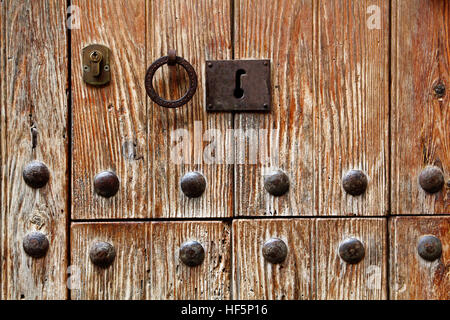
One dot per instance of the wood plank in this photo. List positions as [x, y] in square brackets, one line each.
[110, 123]
[351, 119]
[254, 278]
[282, 31]
[127, 277]
[419, 126]
[412, 277]
[34, 96]
[198, 31]
[171, 279]
[336, 279]
[3, 234]
[330, 105]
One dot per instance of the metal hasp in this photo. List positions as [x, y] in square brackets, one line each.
[238, 85]
[96, 65]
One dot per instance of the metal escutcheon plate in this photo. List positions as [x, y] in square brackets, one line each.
[250, 77]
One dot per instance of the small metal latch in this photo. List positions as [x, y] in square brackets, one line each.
[238, 85]
[96, 65]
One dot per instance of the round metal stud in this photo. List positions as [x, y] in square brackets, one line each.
[275, 251]
[35, 244]
[431, 179]
[352, 250]
[355, 182]
[106, 184]
[429, 248]
[439, 90]
[276, 183]
[36, 174]
[192, 253]
[102, 254]
[193, 184]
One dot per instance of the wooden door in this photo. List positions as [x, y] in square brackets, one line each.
[358, 130]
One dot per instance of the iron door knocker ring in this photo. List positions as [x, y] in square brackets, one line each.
[170, 59]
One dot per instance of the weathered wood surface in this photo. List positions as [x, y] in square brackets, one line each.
[419, 118]
[110, 123]
[3, 244]
[412, 277]
[283, 32]
[147, 265]
[171, 279]
[330, 105]
[351, 118]
[254, 278]
[127, 277]
[34, 84]
[337, 279]
[198, 31]
[3, 229]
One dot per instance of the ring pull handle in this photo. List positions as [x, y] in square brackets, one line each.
[171, 59]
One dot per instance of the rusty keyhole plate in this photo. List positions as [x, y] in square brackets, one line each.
[238, 85]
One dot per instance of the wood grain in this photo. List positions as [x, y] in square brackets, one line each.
[34, 96]
[282, 31]
[171, 279]
[336, 279]
[3, 234]
[110, 123]
[198, 31]
[147, 264]
[351, 118]
[412, 277]
[127, 277]
[330, 105]
[420, 120]
[254, 278]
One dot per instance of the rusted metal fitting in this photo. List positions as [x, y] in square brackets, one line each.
[429, 248]
[275, 251]
[102, 254]
[276, 183]
[193, 184]
[431, 179]
[36, 174]
[439, 90]
[352, 250]
[355, 182]
[151, 92]
[192, 253]
[172, 58]
[106, 184]
[35, 244]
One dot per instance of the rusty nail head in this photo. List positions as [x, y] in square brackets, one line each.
[431, 179]
[192, 253]
[36, 174]
[355, 182]
[35, 244]
[193, 184]
[106, 184]
[276, 183]
[429, 248]
[352, 250]
[102, 254]
[275, 251]
[439, 90]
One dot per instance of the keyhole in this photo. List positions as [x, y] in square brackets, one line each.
[238, 91]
